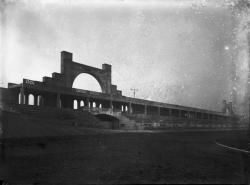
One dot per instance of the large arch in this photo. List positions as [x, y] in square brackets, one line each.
[87, 82]
[71, 70]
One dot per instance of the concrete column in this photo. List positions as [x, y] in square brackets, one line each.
[42, 101]
[130, 108]
[26, 99]
[195, 115]
[78, 103]
[97, 104]
[35, 100]
[111, 104]
[203, 115]
[21, 95]
[158, 111]
[170, 112]
[87, 102]
[179, 113]
[58, 101]
[145, 110]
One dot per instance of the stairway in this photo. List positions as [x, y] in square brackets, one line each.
[128, 124]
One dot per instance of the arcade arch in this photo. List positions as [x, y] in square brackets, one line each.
[31, 99]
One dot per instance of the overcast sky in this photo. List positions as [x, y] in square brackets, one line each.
[177, 51]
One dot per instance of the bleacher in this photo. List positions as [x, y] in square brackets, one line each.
[164, 122]
[59, 116]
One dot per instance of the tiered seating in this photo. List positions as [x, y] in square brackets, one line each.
[60, 116]
[150, 122]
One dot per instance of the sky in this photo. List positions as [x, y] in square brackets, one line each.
[185, 52]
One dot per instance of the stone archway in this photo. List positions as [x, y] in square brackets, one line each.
[71, 70]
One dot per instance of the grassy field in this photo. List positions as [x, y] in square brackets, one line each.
[125, 158]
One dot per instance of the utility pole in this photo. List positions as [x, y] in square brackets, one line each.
[134, 90]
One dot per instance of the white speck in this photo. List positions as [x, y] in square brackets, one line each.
[226, 48]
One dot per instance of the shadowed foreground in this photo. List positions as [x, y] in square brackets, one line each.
[123, 157]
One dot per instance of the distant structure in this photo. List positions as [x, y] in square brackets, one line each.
[227, 108]
[57, 92]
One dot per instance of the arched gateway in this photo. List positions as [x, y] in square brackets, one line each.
[71, 70]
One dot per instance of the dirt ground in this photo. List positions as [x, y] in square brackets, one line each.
[127, 158]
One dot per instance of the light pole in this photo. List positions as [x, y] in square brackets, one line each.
[134, 90]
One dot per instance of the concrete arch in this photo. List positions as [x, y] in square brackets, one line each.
[71, 70]
[95, 77]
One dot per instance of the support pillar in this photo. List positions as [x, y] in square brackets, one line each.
[26, 99]
[179, 113]
[111, 104]
[170, 112]
[78, 104]
[195, 115]
[97, 104]
[202, 116]
[42, 101]
[87, 102]
[145, 110]
[35, 100]
[130, 108]
[158, 111]
[58, 101]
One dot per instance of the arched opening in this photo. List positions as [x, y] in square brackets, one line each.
[87, 82]
[126, 108]
[122, 108]
[31, 99]
[82, 103]
[75, 104]
[94, 104]
[100, 106]
[19, 98]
